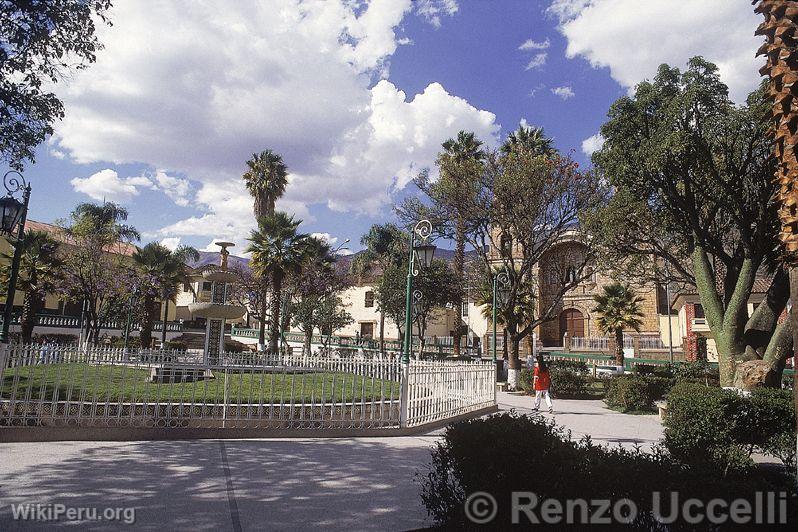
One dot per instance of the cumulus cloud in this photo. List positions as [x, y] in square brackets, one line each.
[531, 44]
[565, 92]
[213, 85]
[633, 38]
[171, 242]
[592, 144]
[325, 237]
[107, 185]
[537, 61]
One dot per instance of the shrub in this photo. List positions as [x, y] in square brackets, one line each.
[715, 426]
[665, 371]
[507, 452]
[176, 345]
[634, 393]
[698, 371]
[567, 383]
[526, 380]
[576, 366]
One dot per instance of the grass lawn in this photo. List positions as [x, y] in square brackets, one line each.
[82, 382]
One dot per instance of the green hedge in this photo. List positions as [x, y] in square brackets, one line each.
[508, 453]
[712, 425]
[565, 383]
[635, 393]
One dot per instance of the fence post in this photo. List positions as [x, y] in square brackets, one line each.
[566, 343]
[404, 403]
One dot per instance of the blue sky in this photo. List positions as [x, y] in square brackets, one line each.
[356, 96]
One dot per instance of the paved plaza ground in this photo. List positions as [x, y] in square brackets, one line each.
[277, 484]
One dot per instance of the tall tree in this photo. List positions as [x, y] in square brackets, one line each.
[97, 240]
[781, 22]
[693, 177]
[460, 164]
[169, 269]
[315, 302]
[618, 308]
[278, 249]
[40, 43]
[251, 290]
[529, 138]
[437, 285]
[39, 274]
[266, 178]
[386, 246]
[524, 219]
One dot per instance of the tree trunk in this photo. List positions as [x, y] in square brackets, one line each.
[619, 348]
[262, 326]
[274, 333]
[308, 340]
[514, 364]
[163, 323]
[145, 333]
[382, 332]
[27, 321]
[794, 319]
[459, 271]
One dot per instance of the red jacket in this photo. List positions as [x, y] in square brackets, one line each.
[543, 381]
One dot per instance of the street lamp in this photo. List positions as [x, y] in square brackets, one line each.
[421, 255]
[12, 220]
[500, 296]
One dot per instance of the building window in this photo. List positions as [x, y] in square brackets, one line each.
[367, 330]
[369, 299]
[206, 286]
[506, 244]
[699, 311]
[464, 311]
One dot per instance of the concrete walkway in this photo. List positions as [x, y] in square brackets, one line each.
[296, 484]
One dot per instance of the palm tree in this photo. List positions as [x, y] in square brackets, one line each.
[169, 270]
[386, 246]
[528, 138]
[277, 250]
[40, 270]
[460, 160]
[618, 308]
[266, 180]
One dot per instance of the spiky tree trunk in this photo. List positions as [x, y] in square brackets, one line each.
[163, 322]
[277, 291]
[262, 325]
[459, 270]
[31, 305]
[619, 347]
[780, 29]
[145, 332]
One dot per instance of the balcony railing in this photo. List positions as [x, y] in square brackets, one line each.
[73, 322]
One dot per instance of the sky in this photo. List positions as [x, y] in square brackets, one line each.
[356, 96]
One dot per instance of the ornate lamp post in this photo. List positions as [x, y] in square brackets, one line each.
[500, 296]
[421, 255]
[13, 213]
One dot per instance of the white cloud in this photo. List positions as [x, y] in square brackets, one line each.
[171, 242]
[537, 61]
[325, 237]
[213, 85]
[632, 38]
[592, 144]
[531, 44]
[565, 92]
[174, 187]
[107, 185]
[432, 10]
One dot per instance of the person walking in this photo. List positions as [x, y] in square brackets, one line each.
[542, 383]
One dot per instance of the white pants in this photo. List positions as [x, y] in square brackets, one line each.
[545, 395]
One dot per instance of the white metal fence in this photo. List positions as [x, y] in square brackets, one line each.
[69, 386]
